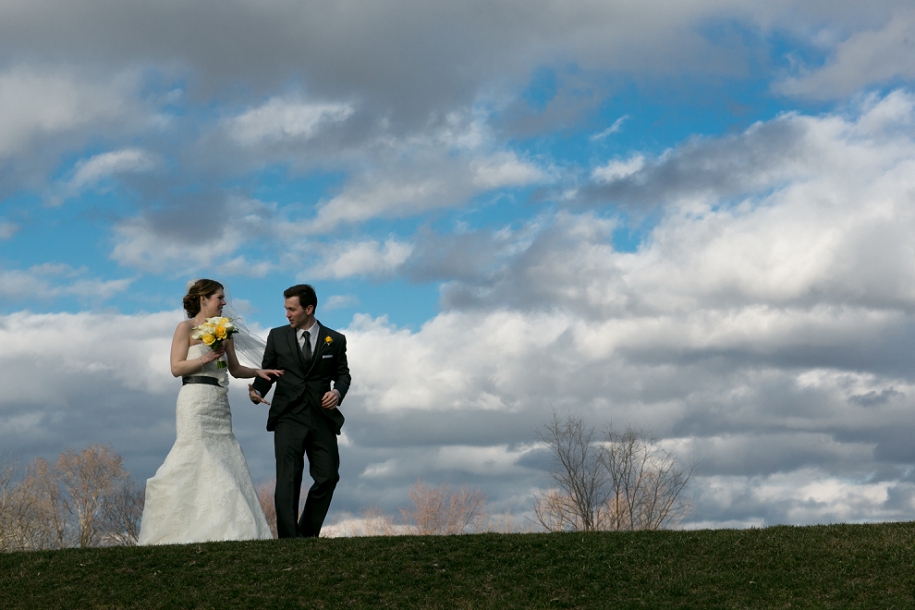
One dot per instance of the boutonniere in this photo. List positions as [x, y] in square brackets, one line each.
[328, 340]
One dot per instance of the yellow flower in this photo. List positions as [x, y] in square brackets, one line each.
[328, 340]
[221, 332]
[208, 339]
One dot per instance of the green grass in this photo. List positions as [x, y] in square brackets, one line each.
[837, 566]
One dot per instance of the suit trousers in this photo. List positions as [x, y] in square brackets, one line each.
[297, 435]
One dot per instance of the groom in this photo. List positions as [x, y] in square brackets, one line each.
[304, 417]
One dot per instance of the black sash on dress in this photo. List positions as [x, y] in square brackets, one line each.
[199, 379]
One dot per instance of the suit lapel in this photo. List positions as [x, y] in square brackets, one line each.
[319, 347]
[293, 341]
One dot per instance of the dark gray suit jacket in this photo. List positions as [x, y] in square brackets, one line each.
[300, 383]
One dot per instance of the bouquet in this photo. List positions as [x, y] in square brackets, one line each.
[213, 332]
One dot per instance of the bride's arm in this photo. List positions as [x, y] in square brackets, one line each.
[180, 365]
[243, 372]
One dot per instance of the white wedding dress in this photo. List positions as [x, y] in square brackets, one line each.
[204, 490]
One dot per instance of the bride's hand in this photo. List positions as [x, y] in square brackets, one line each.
[267, 373]
[215, 354]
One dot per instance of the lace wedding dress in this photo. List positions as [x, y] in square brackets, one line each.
[204, 490]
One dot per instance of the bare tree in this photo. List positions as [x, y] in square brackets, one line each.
[85, 499]
[438, 511]
[92, 480]
[123, 516]
[47, 519]
[647, 482]
[14, 511]
[619, 481]
[579, 472]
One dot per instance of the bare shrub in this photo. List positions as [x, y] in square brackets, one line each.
[265, 497]
[504, 523]
[555, 511]
[376, 523]
[618, 481]
[439, 511]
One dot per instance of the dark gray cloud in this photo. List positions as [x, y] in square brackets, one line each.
[879, 51]
[406, 57]
[464, 257]
[767, 156]
[874, 398]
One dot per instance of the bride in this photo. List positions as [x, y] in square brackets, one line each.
[204, 490]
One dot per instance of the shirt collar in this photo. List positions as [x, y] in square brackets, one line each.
[313, 331]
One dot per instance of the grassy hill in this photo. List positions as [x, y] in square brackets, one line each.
[839, 566]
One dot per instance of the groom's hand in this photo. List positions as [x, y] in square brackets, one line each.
[331, 400]
[255, 397]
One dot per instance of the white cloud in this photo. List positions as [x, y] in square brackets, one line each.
[340, 301]
[367, 258]
[614, 170]
[241, 266]
[818, 215]
[104, 378]
[376, 196]
[499, 460]
[86, 343]
[346, 525]
[503, 170]
[810, 495]
[108, 164]
[43, 282]
[496, 460]
[614, 128]
[284, 119]
[722, 379]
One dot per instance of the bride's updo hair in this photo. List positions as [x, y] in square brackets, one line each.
[200, 288]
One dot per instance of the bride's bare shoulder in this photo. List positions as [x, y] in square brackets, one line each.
[184, 328]
[185, 331]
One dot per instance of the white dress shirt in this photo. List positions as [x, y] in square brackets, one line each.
[312, 334]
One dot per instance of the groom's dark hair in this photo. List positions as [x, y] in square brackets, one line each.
[306, 294]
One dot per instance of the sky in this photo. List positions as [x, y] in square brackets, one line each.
[692, 217]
